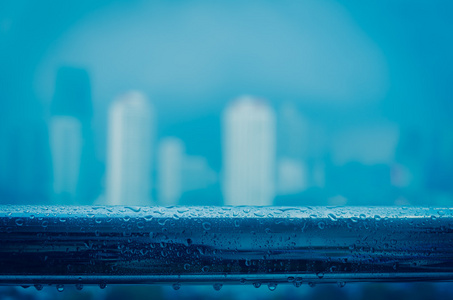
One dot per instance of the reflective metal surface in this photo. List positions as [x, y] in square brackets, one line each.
[223, 245]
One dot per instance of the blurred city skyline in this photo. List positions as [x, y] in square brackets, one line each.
[267, 155]
[371, 93]
[359, 92]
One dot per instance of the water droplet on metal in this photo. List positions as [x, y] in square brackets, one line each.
[272, 286]
[207, 226]
[321, 225]
[332, 217]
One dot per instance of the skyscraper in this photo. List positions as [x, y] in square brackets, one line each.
[293, 151]
[66, 147]
[249, 144]
[76, 173]
[130, 150]
[169, 170]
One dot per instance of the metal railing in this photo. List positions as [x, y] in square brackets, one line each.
[56, 245]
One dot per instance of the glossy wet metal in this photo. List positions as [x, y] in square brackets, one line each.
[223, 245]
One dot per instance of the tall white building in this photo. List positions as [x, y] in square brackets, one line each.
[169, 170]
[66, 143]
[130, 136]
[249, 129]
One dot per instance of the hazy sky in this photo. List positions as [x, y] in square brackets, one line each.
[346, 64]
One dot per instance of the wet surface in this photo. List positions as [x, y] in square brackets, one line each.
[223, 245]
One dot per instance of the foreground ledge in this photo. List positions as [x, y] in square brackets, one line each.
[42, 245]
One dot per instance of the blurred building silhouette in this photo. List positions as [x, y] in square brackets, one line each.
[197, 174]
[66, 144]
[169, 170]
[130, 150]
[179, 174]
[292, 149]
[249, 155]
[76, 171]
[292, 176]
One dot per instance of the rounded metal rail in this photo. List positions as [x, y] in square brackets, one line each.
[56, 245]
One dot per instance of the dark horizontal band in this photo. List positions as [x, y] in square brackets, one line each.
[226, 245]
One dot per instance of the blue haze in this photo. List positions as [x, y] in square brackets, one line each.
[343, 65]
[374, 77]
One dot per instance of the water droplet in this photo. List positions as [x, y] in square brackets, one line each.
[207, 226]
[186, 267]
[259, 213]
[291, 279]
[341, 284]
[248, 263]
[134, 208]
[362, 216]
[377, 217]
[45, 224]
[126, 218]
[257, 284]
[140, 225]
[320, 275]
[272, 286]
[217, 286]
[148, 218]
[60, 287]
[332, 217]
[205, 269]
[242, 280]
[236, 223]
[38, 287]
[19, 222]
[62, 220]
[176, 286]
[79, 286]
[297, 284]
[321, 225]
[102, 285]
